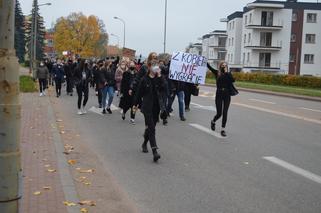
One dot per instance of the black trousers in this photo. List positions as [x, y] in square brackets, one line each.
[42, 84]
[150, 132]
[222, 102]
[82, 90]
[70, 85]
[132, 113]
[100, 96]
[58, 83]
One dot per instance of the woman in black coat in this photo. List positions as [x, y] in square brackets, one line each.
[83, 76]
[126, 100]
[150, 91]
[224, 84]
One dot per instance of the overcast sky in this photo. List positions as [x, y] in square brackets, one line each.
[187, 19]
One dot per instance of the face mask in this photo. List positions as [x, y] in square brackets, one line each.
[222, 69]
[123, 67]
[132, 68]
[155, 68]
[41, 64]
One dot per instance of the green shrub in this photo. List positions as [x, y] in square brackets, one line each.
[27, 84]
[284, 80]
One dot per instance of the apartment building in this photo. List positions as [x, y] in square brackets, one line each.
[276, 37]
[214, 46]
[195, 48]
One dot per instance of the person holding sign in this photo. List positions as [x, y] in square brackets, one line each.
[150, 94]
[224, 83]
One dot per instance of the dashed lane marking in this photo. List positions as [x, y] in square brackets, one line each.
[313, 110]
[99, 110]
[261, 101]
[206, 130]
[294, 169]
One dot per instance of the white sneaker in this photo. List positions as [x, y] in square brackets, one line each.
[83, 110]
[132, 121]
[41, 94]
[44, 93]
[79, 112]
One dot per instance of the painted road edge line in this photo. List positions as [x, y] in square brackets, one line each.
[294, 169]
[278, 113]
[204, 129]
[313, 110]
[261, 101]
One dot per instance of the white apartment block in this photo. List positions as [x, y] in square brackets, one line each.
[194, 49]
[276, 37]
[214, 47]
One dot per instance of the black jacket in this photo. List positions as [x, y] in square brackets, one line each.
[224, 81]
[146, 95]
[78, 76]
[142, 72]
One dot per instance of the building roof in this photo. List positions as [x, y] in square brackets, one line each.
[289, 4]
[237, 14]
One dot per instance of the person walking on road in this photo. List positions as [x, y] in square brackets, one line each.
[82, 79]
[42, 75]
[59, 73]
[119, 75]
[126, 99]
[109, 88]
[70, 72]
[177, 88]
[224, 84]
[150, 94]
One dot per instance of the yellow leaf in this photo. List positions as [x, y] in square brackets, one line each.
[85, 170]
[51, 170]
[47, 188]
[72, 162]
[66, 203]
[83, 210]
[37, 193]
[87, 202]
[87, 183]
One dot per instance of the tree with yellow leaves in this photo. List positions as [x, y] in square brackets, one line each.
[82, 35]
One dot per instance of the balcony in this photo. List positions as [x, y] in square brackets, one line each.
[264, 47]
[264, 27]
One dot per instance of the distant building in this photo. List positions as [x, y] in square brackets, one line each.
[195, 48]
[276, 37]
[214, 46]
[49, 50]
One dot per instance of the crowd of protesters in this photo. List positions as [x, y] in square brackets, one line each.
[143, 85]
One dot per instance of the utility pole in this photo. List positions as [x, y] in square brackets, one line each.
[165, 26]
[10, 115]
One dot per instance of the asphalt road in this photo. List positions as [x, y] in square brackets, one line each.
[270, 161]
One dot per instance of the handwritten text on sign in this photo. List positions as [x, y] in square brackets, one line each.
[188, 67]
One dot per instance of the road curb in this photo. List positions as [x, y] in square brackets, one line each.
[307, 98]
[66, 179]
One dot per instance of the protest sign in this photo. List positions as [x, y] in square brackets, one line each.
[188, 68]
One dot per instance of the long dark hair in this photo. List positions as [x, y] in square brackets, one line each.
[82, 64]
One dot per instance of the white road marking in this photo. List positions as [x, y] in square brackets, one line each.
[204, 129]
[99, 110]
[279, 113]
[209, 108]
[313, 110]
[262, 101]
[295, 169]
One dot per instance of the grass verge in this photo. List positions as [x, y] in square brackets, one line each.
[27, 84]
[275, 88]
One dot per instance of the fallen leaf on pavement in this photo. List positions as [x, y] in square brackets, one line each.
[66, 203]
[83, 210]
[47, 165]
[51, 170]
[59, 120]
[85, 170]
[37, 193]
[87, 202]
[62, 132]
[87, 183]
[81, 179]
[72, 162]
[47, 188]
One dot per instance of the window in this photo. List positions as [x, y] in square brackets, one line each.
[243, 58]
[230, 25]
[266, 39]
[292, 57]
[310, 38]
[308, 58]
[233, 25]
[229, 42]
[293, 37]
[267, 18]
[231, 57]
[294, 16]
[232, 41]
[244, 38]
[228, 57]
[249, 38]
[265, 60]
[311, 18]
[250, 18]
[248, 57]
[221, 55]
[245, 20]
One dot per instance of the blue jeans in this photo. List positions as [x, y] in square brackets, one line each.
[110, 92]
[180, 96]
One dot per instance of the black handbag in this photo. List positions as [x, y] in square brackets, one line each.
[233, 91]
[195, 90]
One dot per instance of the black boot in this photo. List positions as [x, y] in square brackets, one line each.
[156, 155]
[144, 147]
[213, 125]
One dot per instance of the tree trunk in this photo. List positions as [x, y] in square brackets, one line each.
[10, 172]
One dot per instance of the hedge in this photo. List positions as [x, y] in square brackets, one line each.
[284, 80]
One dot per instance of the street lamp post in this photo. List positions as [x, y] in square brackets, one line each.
[124, 29]
[35, 39]
[165, 26]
